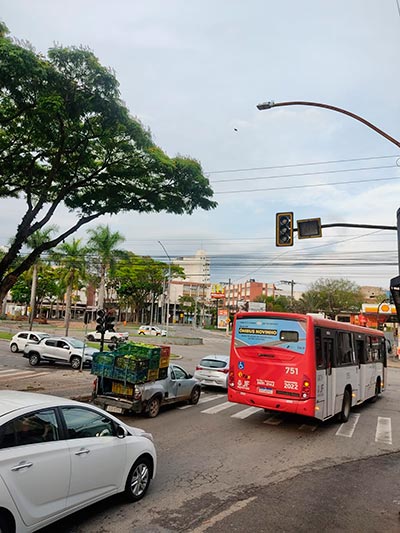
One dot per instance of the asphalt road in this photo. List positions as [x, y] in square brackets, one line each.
[223, 468]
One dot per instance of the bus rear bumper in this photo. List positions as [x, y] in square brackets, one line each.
[273, 403]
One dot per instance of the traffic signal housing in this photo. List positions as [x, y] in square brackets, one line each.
[309, 228]
[284, 229]
[101, 321]
[109, 323]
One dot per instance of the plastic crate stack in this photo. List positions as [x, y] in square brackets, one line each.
[133, 363]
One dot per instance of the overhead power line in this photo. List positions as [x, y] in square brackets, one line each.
[294, 165]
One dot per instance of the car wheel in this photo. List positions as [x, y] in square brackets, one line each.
[153, 407]
[346, 407]
[34, 359]
[6, 524]
[90, 338]
[141, 333]
[113, 339]
[14, 348]
[195, 395]
[75, 362]
[138, 480]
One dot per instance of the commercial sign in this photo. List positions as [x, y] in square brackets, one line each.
[223, 318]
[217, 291]
[256, 306]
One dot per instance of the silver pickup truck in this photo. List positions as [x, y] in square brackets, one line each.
[124, 398]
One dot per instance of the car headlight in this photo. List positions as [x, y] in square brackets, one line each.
[147, 436]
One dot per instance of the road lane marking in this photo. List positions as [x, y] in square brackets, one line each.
[245, 413]
[238, 506]
[347, 429]
[13, 373]
[33, 375]
[203, 400]
[218, 408]
[384, 430]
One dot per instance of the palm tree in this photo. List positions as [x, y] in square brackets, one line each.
[71, 258]
[36, 239]
[103, 243]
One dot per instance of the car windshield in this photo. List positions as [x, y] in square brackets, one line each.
[213, 363]
[76, 343]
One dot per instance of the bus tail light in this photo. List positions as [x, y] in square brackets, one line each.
[231, 378]
[306, 388]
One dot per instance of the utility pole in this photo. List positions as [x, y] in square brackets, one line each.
[292, 283]
[169, 286]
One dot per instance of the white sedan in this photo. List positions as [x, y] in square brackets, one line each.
[112, 336]
[152, 330]
[59, 455]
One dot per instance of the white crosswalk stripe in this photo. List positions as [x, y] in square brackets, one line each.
[246, 412]
[347, 429]
[218, 408]
[204, 399]
[384, 430]
[14, 373]
[274, 420]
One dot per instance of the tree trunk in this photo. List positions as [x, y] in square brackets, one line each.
[68, 308]
[33, 296]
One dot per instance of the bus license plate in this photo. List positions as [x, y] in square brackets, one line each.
[112, 409]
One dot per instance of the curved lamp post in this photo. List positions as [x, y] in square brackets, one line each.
[271, 104]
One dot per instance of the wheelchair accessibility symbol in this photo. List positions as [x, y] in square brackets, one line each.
[241, 365]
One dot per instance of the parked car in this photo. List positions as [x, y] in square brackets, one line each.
[59, 455]
[59, 349]
[117, 396]
[18, 342]
[112, 336]
[152, 330]
[213, 370]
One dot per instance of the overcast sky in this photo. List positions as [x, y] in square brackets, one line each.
[194, 71]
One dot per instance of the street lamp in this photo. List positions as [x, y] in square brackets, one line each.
[271, 104]
[169, 286]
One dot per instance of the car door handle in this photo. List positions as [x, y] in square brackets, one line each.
[82, 452]
[21, 466]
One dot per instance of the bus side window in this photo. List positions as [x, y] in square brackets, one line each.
[360, 350]
[318, 350]
[345, 348]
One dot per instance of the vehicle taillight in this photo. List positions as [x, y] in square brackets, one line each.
[95, 385]
[137, 393]
[231, 378]
[224, 370]
[306, 389]
[198, 367]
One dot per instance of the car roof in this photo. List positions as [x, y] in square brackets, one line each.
[14, 400]
[216, 357]
[35, 332]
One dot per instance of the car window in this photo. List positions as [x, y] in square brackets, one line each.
[51, 342]
[33, 428]
[76, 343]
[179, 373]
[213, 363]
[82, 423]
[33, 337]
[22, 335]
[62, 344]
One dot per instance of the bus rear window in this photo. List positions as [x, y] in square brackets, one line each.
[271, 332]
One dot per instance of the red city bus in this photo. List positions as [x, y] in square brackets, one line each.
[304, 364]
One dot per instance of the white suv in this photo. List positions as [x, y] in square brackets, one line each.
[152, 330]
[59, 349]
[17, 343]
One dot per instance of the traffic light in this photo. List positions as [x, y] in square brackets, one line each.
[284, 229]
[109, 323]
[101, 321]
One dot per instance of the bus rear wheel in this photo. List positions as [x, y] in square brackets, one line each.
[377, 392]
[346, 407]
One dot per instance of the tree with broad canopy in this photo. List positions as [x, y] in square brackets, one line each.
[67, 139]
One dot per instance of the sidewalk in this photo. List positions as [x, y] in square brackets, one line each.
[393, 362]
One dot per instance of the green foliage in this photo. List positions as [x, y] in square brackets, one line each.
[331, 296]
[279, 303]
[66, 138]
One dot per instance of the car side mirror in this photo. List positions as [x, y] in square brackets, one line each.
[121, 432]
[189, 376]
